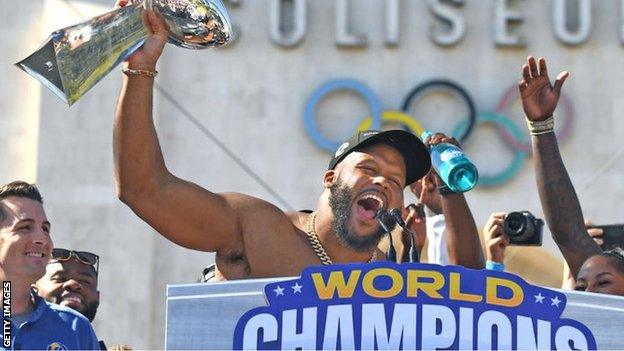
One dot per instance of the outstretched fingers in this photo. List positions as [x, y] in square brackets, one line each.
[533, 67]
[526, 73]
[559, 81]
[542, 67]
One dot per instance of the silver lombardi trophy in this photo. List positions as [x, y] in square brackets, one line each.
[75, 58]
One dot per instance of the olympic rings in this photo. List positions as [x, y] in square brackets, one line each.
[339, 84]
[394, 116]
[513, 168]
[514, 138]
[436, 83]
[523, 143]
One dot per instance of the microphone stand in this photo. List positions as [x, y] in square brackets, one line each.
[413, 254]
[387, 222]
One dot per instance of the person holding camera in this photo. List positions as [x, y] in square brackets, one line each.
[503, 229]
[594, 270]
[495, 241]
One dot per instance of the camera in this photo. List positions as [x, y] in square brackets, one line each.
[523, 229]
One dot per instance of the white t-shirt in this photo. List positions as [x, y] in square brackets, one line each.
[436, 232]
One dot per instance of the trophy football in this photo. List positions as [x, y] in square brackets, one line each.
[75, 58]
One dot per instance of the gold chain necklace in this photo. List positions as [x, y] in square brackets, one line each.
[318, 248]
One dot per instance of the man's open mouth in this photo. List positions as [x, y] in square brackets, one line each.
[72, 300]
[368, 205]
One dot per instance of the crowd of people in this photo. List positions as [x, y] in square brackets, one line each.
[54, 291]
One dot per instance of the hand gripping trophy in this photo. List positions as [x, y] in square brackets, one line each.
[75, 58]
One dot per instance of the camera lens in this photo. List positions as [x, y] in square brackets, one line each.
[514, 224]
[522, 228]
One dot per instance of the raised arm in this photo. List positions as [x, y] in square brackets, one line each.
[181, 211]
[561, 207]
[462, 235]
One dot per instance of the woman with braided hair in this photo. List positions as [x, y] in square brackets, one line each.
[603, 273]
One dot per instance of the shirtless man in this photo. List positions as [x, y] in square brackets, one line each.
[253, 238]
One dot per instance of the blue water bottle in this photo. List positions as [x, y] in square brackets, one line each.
[452, 165]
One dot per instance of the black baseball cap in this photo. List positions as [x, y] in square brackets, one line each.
[414, 152]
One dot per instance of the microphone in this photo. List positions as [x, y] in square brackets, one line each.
[398, 218]
[387, 222]
[396, 214]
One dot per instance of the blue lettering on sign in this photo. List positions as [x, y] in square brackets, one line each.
[384, 305]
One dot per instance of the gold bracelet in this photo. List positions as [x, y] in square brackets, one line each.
[541, 127]
[547, 121]
[139, 72]
[552, 130]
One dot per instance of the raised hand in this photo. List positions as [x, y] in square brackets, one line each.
[426, 191]
[439, 138]
[596, 233]
[561, 207]
[158, 31]
[539, 97]
[495, 240]
[432, 176]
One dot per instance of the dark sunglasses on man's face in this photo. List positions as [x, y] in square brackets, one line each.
[85, 257]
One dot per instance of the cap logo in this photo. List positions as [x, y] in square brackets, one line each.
[341, 149]
[370, 132]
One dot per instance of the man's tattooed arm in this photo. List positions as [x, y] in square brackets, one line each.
[559, 202]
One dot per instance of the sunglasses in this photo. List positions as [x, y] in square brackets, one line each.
[85, 257]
